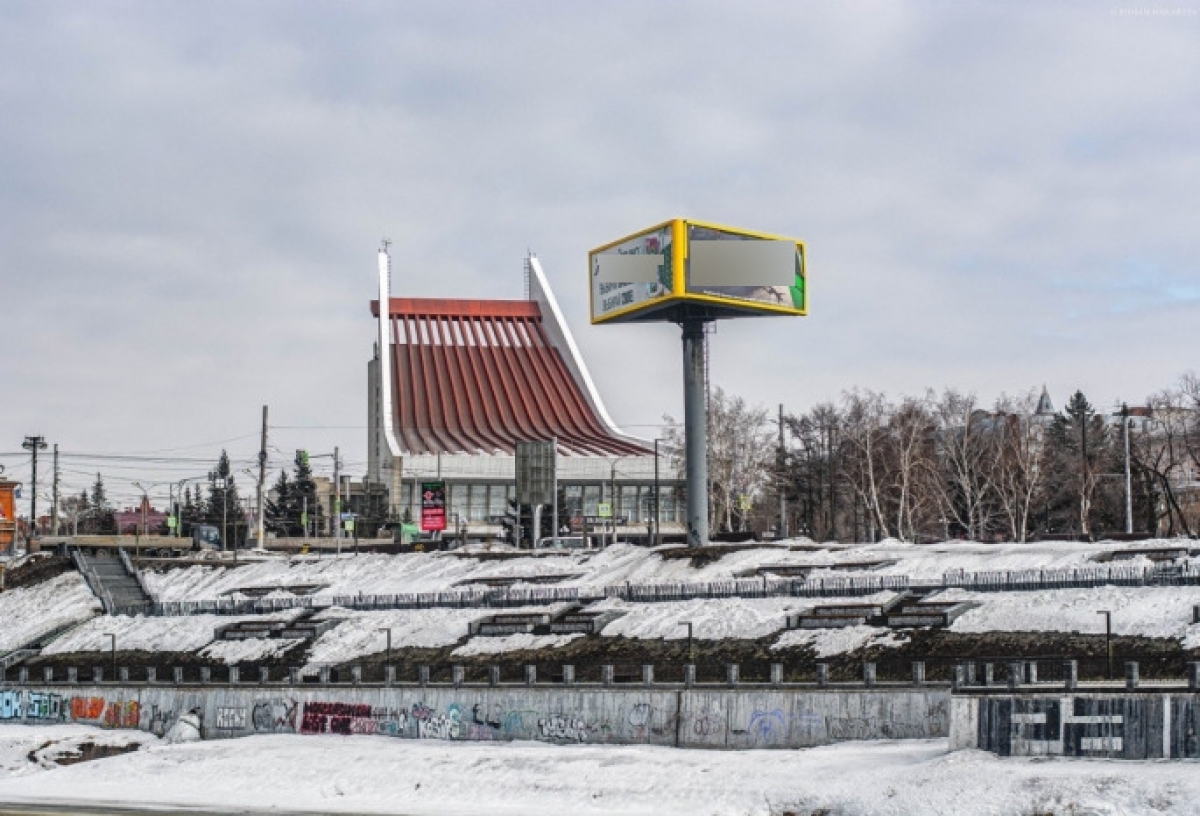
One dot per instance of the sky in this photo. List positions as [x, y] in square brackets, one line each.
[994, 196]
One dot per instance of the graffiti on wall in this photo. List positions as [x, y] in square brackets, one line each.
[431, 725]
[231, 718]
[87, 708]
[275, 716]
[120, 714]
[10, 705]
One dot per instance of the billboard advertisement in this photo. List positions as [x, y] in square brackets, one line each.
[684, 268]
[535, 472]
[634, 273]
[8, 514]
[433, 506]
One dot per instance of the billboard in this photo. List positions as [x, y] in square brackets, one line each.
[535, 472]
[433, 506]
[683, 268]
[8, 514]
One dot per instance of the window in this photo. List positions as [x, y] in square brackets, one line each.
[479, 503]
[497, 500]
[629, 504]
[591, 498]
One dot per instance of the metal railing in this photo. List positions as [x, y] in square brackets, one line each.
[830, 586]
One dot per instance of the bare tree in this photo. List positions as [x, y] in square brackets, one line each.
[741, 453]
[865, 464]
[1162, 452]
[967, 443]
[1019, 468]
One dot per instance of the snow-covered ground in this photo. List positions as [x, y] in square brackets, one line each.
[369, 774]
[1164, 612]
[27, 613]
[436, 572]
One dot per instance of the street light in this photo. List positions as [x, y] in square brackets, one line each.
[1108, 639]
[691, 650]
[657, 495]
[177, 487]
[389, 647]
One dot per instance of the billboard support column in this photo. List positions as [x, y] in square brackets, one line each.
[695, 429]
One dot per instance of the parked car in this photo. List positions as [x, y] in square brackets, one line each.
[567, 543]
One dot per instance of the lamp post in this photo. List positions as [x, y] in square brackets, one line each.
[389, 646]
[657, 496]
[1128, 479]
[221, 483]
[178, 511]
[691, 650]
[1108, 639]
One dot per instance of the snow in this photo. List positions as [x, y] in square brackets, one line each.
[27, 749]
[1164, 612]
[513, 643]
[829, 642]
[372, 774]
[31, 612]
[233, 652]
[373, 574]
[149, 634]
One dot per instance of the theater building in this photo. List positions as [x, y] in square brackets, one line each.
[454, 385]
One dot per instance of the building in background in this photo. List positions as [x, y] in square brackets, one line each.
[454, 385]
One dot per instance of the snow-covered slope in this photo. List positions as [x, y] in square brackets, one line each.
[436, 572]
[28, 613]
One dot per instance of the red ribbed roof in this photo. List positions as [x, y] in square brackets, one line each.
[481, 375]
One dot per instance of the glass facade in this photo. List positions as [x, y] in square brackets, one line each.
[476, 501]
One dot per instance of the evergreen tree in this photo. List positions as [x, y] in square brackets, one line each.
[303, 494]
[1079, 440]
[223, 509]
[101, 519]
[278, 518]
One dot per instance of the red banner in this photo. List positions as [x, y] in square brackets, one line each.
[433, 506]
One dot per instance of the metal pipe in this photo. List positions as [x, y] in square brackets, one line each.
[695, 418]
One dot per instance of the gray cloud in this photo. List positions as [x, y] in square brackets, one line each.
[994, 196]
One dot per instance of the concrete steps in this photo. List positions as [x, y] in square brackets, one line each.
[118, 589]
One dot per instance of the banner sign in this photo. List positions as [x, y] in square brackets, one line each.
[433, 506]
[535, 472]
[683, 267]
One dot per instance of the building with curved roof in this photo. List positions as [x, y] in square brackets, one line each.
[456, 385]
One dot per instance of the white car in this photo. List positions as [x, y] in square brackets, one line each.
[567, 543]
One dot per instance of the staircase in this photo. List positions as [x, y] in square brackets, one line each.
[115, 582]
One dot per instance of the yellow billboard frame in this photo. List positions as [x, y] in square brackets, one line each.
[666, 307]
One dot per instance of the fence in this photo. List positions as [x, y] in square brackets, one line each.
[832, 586]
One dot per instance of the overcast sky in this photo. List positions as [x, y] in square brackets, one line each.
[994, 196]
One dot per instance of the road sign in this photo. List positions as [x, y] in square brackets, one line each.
[433, 506]
[604, 510]
[597, 521]
[171, 523]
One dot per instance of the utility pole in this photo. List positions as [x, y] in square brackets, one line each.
[262, 477]
[33, 444]
[783, 527]
[54, 507]
[337, 501]
[1128, 478]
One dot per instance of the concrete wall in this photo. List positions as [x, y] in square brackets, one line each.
[702, 718]
[1121, 725]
